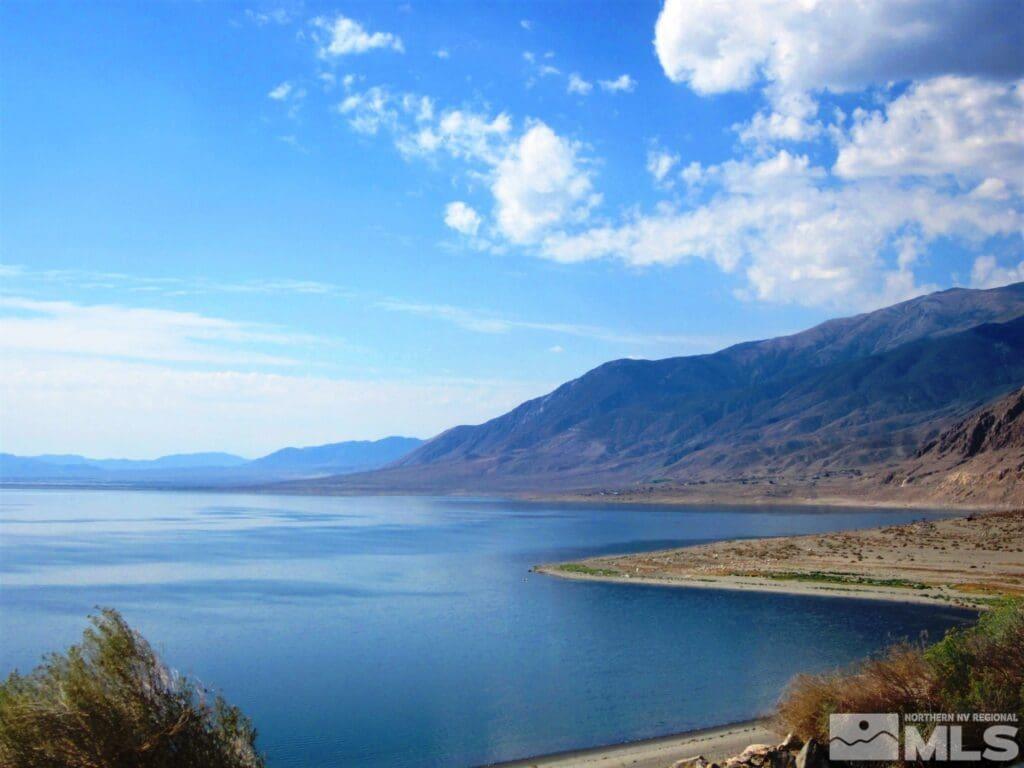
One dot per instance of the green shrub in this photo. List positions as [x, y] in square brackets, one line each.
[109, 702]
[981, 669]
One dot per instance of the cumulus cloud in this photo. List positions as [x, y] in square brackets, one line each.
[578, 85]
[469, 135]
[538, 179]
[660, 163]
[795, 235]
[725, 45]
[791, 119]
[966, 128]
[347, 37]
[621, 84]
[540, 184]
[462, 218]
[987, 273]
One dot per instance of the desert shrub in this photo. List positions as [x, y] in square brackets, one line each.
[110, 702]
[900, 681]
[975, 669]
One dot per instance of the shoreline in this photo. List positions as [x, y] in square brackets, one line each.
[714, 743]
[755, 584]
[581, 498]
[965, 561]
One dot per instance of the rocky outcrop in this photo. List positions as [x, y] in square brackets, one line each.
[995, 427]
[978, 459]
[790, 753]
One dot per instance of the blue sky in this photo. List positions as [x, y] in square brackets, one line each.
[231, 226]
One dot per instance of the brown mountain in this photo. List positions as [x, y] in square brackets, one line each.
[850, 395]
[979, 459]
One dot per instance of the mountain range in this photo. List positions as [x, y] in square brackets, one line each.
[876, 406]
[202, 469]
[854, 397]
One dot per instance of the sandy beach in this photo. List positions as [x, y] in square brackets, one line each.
[713, 743]
[965, 561]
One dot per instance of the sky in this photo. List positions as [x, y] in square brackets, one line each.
[239, 226]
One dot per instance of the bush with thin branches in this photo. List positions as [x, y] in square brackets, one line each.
[110, 702]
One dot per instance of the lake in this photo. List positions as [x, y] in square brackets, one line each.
[396, 632]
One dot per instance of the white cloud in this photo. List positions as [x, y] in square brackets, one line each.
[368, 111]
[280, 93]
[473, 136]
[540, 185]
[795, 235]
[526, 24]
[480, 321]
[347, 37]
[621, 84]
[726, 45]
[578, 85]
[262, 18]
[130, 333]
[660, 163]
[987, 273]
[442, 53]
[966, 128]
[538, 180]
[462, 218]
[789, 120]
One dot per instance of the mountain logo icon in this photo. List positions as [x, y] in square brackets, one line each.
[860, 736]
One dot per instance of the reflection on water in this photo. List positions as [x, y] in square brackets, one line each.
[408, 631]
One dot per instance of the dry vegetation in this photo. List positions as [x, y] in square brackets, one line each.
[963, 560]
[978, 669]
[110, 702]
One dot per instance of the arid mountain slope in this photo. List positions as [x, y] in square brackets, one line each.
[850, 395]
[979, 459]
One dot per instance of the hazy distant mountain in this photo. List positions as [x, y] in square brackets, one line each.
[22, 468]
[206, 469]
[174, 461]
[848, 394]
[351, 456]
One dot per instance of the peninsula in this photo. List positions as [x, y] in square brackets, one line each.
[966, 561]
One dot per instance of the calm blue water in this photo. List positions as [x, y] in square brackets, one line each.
[408, 632]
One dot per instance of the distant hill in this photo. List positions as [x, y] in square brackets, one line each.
[174, 461]
[351, 456]
[850, 395]
[208, 469]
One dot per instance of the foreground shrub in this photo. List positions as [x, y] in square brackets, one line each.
[981, 669]
[900, 681]
[110, 702]
[976, 669]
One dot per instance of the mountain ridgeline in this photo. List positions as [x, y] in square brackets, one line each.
[202, 469]
[852, 396]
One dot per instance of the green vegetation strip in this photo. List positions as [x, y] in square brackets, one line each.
[586, 570]
[839, 578]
